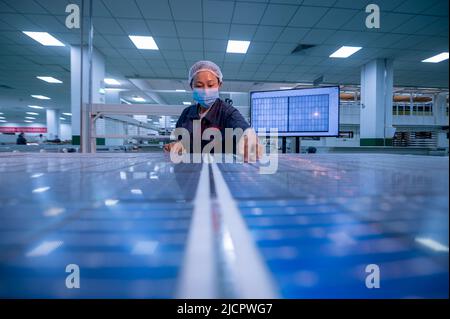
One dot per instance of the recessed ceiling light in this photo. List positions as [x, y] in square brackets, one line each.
[44, 38]
[49, 79]
[36, 107]
[41, 97]
[1, 113]
[138, 99]
[286, 87]
[62, 118]
[68, 114]
[30, 118]
[187, 103]
[235, 46]
[32, 113]
[2, 121]
[110, 81]
[27, 121]
[345, 52]
[143, 42]
[2, 117]
[437, 58]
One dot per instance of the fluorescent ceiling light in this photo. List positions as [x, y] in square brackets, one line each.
[32, 113]
[35, 107]
[138, 99]
[143, 42]
[49, 79]
[345, 52]
[1, 113]
[41, 97]
[237, 46]
[30, 118]
[180, 90]
[27, 121]
[110, 81]
[68, 114]
[44, 38]
[62, 118]
[2, 117]
[2, 121]
[286, 87]
[186, 103]
[437, 58]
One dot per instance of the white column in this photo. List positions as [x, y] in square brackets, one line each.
[53, 124]
[376, 103]
[113, 127]
[98, 75]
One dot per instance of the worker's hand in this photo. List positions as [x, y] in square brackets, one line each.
[175, 147]
[249, 147]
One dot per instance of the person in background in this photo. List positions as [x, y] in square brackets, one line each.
[21, 140]
[40, 139]
[57, 139]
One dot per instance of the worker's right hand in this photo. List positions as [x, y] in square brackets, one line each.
[175, 147]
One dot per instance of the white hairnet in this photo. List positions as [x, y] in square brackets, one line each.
[205, 66]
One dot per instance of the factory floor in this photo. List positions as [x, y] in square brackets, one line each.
[139, 226]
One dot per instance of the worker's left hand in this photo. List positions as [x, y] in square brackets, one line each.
[249, 147]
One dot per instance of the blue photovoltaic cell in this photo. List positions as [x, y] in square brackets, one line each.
[309, 113]
[321, 219]
[123, 219]
[271, 112]
[317, 222]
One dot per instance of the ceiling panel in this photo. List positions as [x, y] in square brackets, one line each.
[218, 11]
[278, 15]
[155, 9]
[307, 16]
[250, 13]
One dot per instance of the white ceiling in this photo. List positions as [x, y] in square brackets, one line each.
[186, 31]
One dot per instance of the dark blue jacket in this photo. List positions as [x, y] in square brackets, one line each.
[220, 116]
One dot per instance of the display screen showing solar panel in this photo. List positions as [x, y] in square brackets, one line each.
[296, 112]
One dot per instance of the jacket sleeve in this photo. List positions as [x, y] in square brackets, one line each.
[235, 120]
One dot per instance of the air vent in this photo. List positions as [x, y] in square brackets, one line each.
[301, 48]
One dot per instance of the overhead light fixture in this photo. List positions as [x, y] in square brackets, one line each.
[41, 97]
[180, 90]
[2, 117]
[2, 121]
[345, 52]
[68, 114]
[1, 113]
[44, 38]
[62, 118]
[32, 113]
[437, 58]
[49, 79]
[30, 118]
[27, 121]
[36, 107]
[143, 42]
[187, 103]
[110, 81]
[235, 46]
[138, 99]
[286, 87]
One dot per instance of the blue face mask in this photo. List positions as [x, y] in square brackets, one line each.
[205, 97]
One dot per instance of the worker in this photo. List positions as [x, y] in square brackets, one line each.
[21, 140]
[205, 79]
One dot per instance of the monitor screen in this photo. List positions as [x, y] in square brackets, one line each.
[296, 112]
